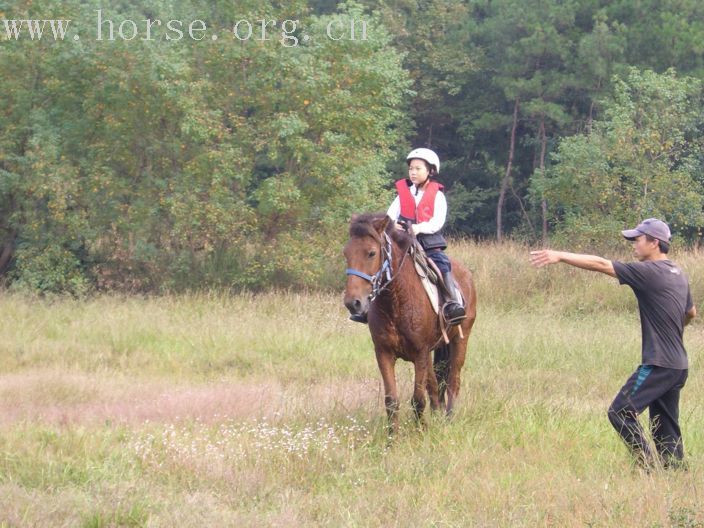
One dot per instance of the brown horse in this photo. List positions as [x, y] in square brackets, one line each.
[382, 282]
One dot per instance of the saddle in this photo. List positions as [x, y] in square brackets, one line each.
[430, 276]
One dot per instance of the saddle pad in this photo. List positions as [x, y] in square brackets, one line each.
[430, 288]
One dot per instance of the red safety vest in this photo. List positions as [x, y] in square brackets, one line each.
[426, 207]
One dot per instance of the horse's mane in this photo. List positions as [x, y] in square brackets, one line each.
[364, 225]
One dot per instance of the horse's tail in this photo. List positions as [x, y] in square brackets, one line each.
[441, 366]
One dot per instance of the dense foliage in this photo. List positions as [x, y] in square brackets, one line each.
[642, 159]
[157, 164]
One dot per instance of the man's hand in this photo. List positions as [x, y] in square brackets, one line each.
[544, 257]
[588, 262]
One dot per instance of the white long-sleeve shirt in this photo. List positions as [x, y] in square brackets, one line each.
[439, 211]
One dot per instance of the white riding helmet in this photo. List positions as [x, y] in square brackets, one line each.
[426, 155]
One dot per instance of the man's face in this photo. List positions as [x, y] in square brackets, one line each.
[645, 250]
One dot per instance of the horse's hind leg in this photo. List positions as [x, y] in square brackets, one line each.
[441, 367]
[458, 350]
[432, 386]
[421, 365]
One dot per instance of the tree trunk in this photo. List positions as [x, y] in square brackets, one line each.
[523, 209]
[507, 175]
[590, 118]
[7, 251]
[543, 203]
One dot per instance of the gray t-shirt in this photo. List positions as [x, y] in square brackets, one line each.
[662, 290]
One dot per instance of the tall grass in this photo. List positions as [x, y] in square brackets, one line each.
[251, 410]
[506, 282]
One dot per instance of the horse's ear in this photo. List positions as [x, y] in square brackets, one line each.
[381, 224]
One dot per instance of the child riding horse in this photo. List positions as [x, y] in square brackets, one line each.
[384, 287]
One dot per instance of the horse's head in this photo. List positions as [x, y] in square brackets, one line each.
[364, 253]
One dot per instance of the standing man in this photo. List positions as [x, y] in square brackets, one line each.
[665, 306]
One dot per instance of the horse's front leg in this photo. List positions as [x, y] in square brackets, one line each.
[387, 362]
[421, 365]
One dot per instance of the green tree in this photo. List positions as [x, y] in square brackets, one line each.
[600, 55]
[149, 164]
[528, 49]
[324, 120]
[642, 159]
[662, 34]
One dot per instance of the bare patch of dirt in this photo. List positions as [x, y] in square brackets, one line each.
[58, 397]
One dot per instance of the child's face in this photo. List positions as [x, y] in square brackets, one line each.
[418, 172]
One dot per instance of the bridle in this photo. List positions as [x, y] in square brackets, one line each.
[382, 278]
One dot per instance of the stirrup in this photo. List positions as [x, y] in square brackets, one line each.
[454, 313]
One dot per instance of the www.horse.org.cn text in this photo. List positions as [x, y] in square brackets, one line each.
[289, 32]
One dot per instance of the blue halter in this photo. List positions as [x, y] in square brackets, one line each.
[382, 277]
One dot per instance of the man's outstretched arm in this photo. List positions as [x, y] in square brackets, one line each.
[588, 262]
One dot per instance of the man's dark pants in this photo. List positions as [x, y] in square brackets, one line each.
[658, 389]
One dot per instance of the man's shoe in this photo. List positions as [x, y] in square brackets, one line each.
[359, 318]
[675, 464]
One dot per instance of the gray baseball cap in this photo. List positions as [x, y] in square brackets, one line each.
[653, 227]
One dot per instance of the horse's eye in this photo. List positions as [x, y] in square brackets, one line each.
[372, 254]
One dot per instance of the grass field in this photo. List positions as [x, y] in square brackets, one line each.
[267, 410]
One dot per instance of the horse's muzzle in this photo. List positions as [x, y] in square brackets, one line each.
[356, 305]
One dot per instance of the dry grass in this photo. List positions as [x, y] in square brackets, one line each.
[73, 398]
